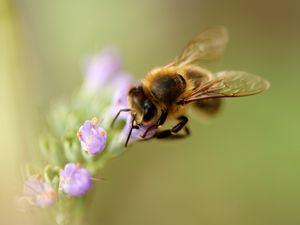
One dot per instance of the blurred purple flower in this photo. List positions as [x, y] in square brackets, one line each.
[74, 180]
[102, 69]
[120, 96]
[38, 192]
[92, 137]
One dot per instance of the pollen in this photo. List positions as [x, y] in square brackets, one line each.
[50, 194]
[94, 121]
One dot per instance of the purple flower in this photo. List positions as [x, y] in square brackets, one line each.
[136, 133]
[101, 69]
[74, 180]
[92, 137]
[37, 192]
[120, 96]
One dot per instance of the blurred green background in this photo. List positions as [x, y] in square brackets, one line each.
[241, 168]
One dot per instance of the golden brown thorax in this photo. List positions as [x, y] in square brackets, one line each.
[166, 86]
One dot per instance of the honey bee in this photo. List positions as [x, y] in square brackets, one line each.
[166, 92]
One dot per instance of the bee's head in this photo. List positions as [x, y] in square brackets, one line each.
[141, 106]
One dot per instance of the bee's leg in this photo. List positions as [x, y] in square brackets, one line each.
[174, 130]
[187, 131]
[117, 115]
[168, 134]
[180, 125]
[160, 121]
[131, 129]
[129, 134]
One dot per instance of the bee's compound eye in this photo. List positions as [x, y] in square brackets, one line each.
[149, 112]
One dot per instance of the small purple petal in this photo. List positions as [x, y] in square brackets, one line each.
[74, 180]
[38, 192]
[136, 133]
[92, 137]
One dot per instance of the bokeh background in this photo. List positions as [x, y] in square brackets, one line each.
[243, 167]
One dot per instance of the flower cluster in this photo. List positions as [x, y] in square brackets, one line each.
[73, 160]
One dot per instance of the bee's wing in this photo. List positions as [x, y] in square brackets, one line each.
[208, 46]
[227, 84]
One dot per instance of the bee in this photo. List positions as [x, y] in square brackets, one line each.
[166, 92]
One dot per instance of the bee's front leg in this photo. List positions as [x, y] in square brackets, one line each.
[174, 130]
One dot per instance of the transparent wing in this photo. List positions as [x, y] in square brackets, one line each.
[228, 84]
[208, 46]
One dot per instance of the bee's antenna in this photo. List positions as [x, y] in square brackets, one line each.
[132, 127]
[117, 115]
